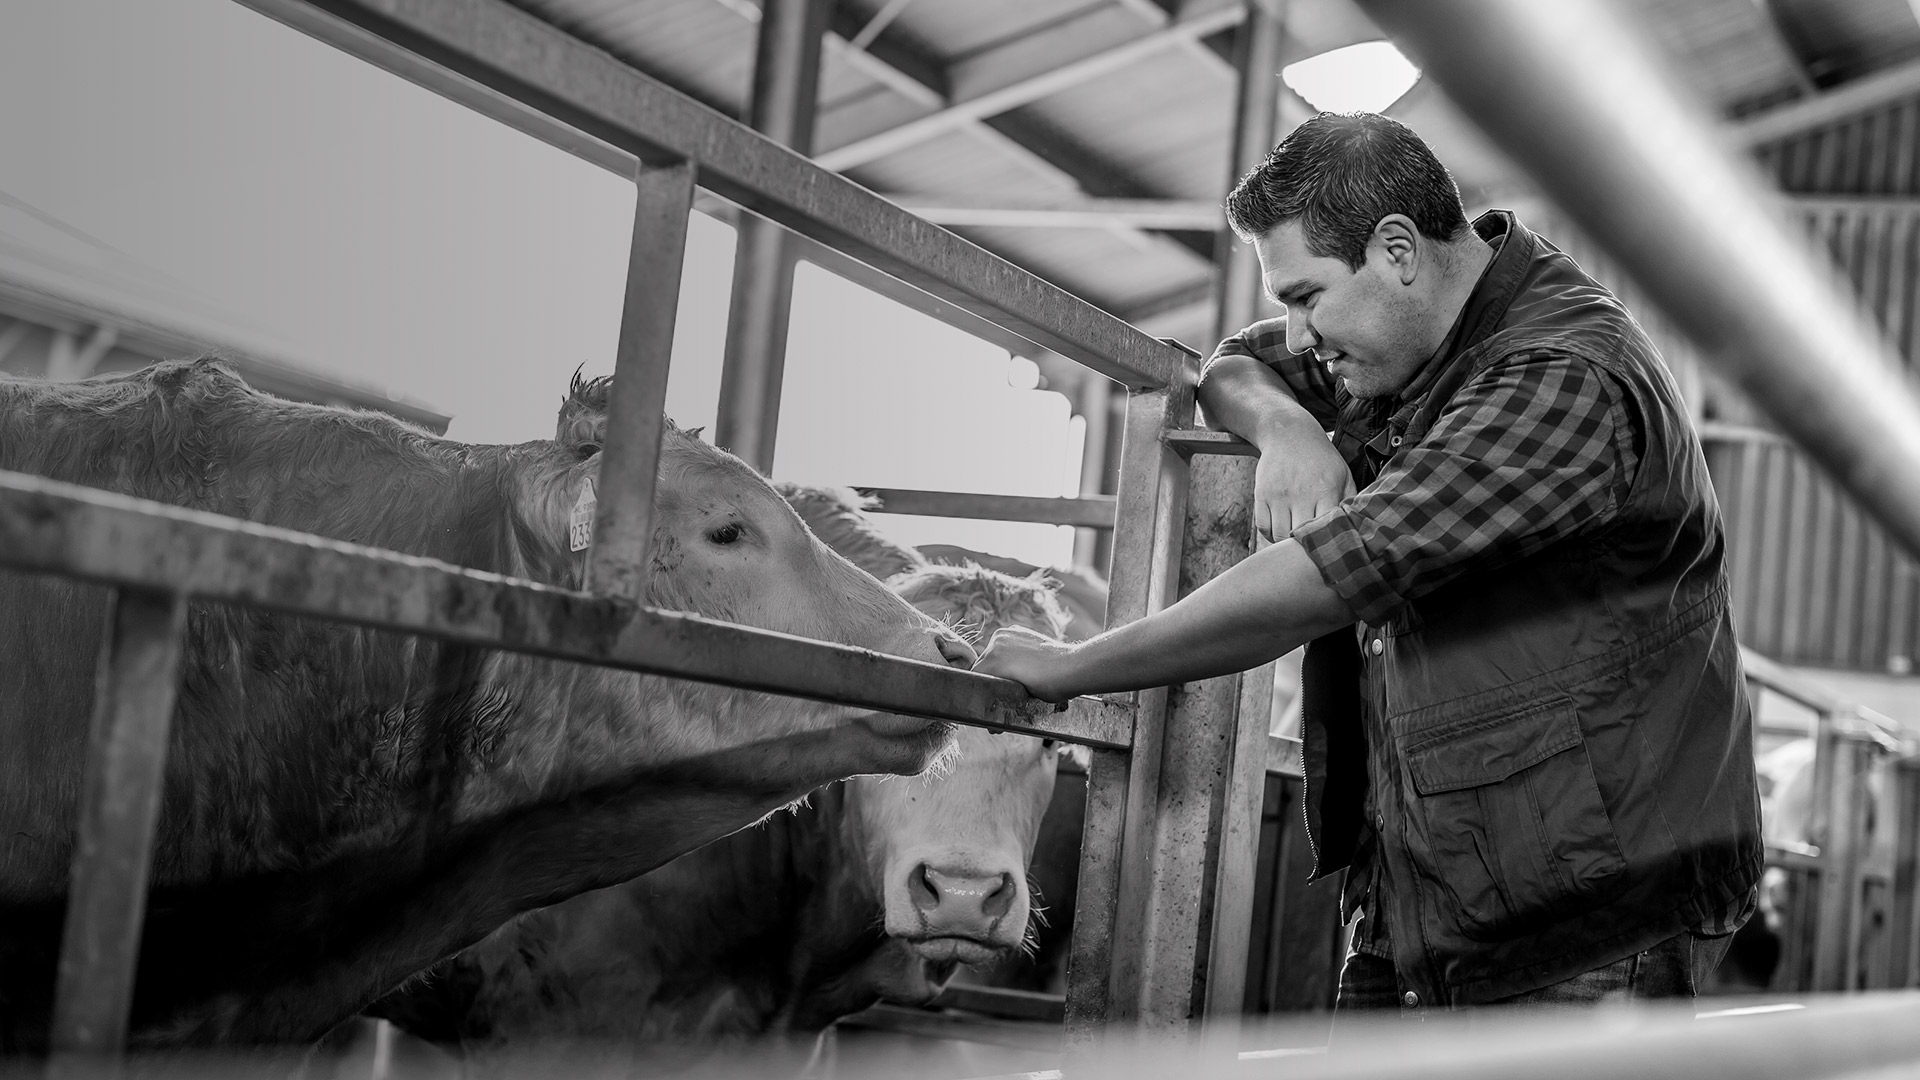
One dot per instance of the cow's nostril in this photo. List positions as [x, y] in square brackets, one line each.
[957, 653]
[925, 896]
[999, 901]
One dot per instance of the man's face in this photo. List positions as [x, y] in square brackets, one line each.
[1363, 324]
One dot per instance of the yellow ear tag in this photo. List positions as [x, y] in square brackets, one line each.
[580, 522]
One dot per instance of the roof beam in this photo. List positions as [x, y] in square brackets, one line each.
[927, 83]
[1026, 70]
[1849, 99]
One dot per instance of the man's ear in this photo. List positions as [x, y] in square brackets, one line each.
[1397, 240]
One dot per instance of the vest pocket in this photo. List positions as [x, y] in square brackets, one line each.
[1509, 821]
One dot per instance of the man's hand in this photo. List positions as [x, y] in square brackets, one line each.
[1300, 477]
[1037, 662]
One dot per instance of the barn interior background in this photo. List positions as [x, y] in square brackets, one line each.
[196, 174]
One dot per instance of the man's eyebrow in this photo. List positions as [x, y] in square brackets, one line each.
[1291, 289]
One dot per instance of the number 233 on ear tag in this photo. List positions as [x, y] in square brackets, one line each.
[580, 522]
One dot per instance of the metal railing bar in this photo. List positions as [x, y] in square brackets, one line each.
[47, 526]
[1086, 511]
[119, 809]
[1004, 1004]
[1190, 441]
[509, 52]
[630, 454]
[1790, 685]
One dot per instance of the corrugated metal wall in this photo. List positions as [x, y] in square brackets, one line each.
[1814, 582]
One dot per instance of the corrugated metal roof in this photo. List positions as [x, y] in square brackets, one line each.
[1159, 126]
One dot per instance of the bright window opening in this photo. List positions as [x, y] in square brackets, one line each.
[1367, 77]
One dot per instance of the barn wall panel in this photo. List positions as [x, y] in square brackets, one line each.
[1814, 580]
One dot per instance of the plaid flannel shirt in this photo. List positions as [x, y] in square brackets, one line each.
[1534, 449]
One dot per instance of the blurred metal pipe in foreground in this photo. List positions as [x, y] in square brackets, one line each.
[1583, 106]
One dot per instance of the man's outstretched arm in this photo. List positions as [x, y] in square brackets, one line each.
[1267, 605]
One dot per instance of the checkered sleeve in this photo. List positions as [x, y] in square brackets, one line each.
[1535, 449]
[1308, 381]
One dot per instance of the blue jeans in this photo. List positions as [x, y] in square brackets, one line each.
[1675, 968]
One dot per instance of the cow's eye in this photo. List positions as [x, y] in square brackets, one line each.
[1049, 744]
[725, 534]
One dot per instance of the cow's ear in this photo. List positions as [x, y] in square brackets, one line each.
[583, 412]
[1044, 577]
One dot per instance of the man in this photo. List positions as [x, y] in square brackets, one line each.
[1526, 735]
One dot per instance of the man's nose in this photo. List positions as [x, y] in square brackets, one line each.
[1300, 335]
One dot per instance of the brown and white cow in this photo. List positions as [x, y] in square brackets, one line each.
[873, 889]
[345, 807]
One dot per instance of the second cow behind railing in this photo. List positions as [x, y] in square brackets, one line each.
[877, 889]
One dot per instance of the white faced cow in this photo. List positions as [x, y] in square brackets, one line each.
[345, 807]
[873, 889]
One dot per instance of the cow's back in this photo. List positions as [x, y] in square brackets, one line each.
[193, 435]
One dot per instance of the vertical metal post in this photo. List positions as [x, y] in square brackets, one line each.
[1090, 951]
[1102, 967]
[119, 807]
[1842, 803]
[1903, 914]
[629, 461]
[1257, 59]
[1094, 400]
[786, 90]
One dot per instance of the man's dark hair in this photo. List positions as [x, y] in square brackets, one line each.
[1339, 174]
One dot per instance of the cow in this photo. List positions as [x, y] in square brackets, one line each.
[873, 889]
[838, 516]
[345, 807]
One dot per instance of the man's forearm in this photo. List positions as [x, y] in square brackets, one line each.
[1242, 395]
[1267, 605]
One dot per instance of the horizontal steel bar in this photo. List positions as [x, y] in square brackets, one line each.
[1004, 1004]
[1793, 856]
[504, 51]
[1190, 441]
[51, 527]
[1283, 756]
[1790, 685]
[1087, 511]
[1844, 101]
[1850, 1035]
[1716, 431]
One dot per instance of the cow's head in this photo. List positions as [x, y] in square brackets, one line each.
[726, 545]
[949, 850]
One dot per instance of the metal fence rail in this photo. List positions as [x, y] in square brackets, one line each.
[139, 545]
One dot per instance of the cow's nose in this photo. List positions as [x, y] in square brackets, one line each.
[954, 651]
[943, 897]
